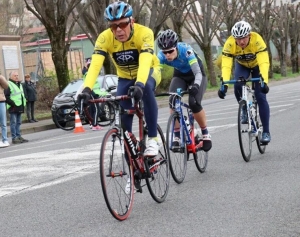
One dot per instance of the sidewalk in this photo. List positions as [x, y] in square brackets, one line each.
[48, 124]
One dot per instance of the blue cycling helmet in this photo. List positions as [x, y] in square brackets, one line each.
[117, 10]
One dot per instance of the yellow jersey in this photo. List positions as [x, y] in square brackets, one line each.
[133, 59]
[255, 53]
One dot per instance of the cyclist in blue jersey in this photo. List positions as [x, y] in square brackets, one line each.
[188, 73]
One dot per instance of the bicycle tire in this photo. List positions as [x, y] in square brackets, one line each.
[107, 114]
[244, 133]
[114, 172]
[159, 182]
[65, 120]
[261, 147]
[200, 156]
[178, 159]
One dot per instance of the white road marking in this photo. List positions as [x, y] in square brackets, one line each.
[42, 169]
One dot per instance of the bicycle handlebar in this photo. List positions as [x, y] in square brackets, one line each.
[110, 99]
[242, 80]
[180, 93]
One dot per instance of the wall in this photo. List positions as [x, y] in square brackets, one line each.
[10, 57]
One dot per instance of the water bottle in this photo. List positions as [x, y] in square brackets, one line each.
[132, 143]
[187, 121]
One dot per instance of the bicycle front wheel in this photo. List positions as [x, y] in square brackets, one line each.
[65, 117]
[244, 131]
[116, 176]
[261, 147]
[158, 182]
[200, 157]
[177, 153]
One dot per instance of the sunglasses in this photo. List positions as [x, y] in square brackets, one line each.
[121, 25]
[168, 51]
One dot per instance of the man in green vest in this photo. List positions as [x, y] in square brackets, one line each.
[15, 103]
[94, 108]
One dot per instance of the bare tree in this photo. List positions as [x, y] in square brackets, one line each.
[91, 20]
[228, 14]
[280, 36]
[294, 25]
[54, 16]
[11, 17]
[202, 28]
[260, 14]
[160, 11]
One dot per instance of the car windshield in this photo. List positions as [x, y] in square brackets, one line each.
[72, 87]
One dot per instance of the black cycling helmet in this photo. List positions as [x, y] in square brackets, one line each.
[167, 39]
[117, 10]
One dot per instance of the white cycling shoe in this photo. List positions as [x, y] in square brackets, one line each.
[152, 148]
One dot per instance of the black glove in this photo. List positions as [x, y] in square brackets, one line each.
[264, 89]
[85, 95]
[193, 91]
[13, 104]
[222, 93]
[136, 91]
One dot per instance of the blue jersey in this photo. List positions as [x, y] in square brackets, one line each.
[186, 57]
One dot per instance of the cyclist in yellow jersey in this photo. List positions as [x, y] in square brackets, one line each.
[251, 57]
[131, 47]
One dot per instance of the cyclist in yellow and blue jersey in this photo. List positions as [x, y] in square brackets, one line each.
[188, 73]
[131, 47]
[251, 57]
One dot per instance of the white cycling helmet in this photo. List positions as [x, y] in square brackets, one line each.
[241, 29]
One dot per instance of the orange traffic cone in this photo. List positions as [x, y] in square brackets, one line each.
[78, 125]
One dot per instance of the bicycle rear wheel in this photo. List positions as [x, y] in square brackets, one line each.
[158, 182]
[106, 114]
[65, 117]
[200, 157]
[115, 172]
[244, 132]
[178, 155]
[261, 147]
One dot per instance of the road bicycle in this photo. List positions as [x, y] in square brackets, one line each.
[249, 124]
[64, 117]
[190, 138]
[118, 171]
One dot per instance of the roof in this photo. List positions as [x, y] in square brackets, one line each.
[47, 41]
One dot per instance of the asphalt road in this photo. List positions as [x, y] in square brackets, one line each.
[50, 186]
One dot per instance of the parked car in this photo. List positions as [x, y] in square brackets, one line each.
[76, 86]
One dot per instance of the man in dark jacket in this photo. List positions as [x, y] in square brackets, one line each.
[31, 97]
[15, 100]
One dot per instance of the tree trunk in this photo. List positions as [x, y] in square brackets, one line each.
[60, 60]
[211, 74]
[294, 56]
[271, 61]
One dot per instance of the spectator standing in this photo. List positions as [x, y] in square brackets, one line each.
[16, 102]
[86, 67]
[94, 108]
[31, 97]
[3, 85]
